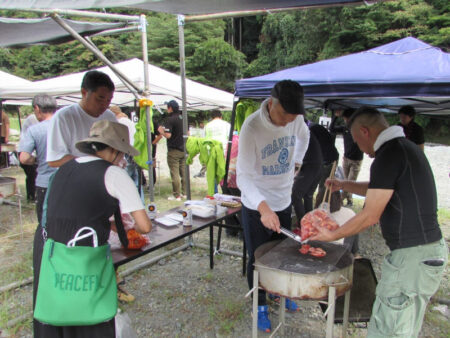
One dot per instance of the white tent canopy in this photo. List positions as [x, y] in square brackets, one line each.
[8, 80]
[164, 85]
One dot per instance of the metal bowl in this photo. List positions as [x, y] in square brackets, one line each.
[284, 271]
[7, 186]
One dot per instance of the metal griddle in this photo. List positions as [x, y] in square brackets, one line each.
[285, 256]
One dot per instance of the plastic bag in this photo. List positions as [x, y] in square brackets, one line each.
[135, 240]
[123, 326]
[318, 217]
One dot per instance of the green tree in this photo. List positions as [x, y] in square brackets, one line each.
[217, 63]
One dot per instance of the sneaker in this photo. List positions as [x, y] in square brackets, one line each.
[263, 319]
[173, 198]
[290, 305]
[183, 197]
[124, 296]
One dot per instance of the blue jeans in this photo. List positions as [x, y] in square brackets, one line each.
[256, 234]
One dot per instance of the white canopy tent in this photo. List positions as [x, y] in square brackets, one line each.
[165, 86]
[8, 80]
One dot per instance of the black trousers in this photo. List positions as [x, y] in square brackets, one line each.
[305, 183]
[40, 196]
[30, 180]
[256, 234]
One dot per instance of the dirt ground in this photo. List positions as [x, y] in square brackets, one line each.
[180, 296]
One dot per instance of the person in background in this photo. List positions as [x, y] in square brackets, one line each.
[4, 138]
[86, 191]
[218, 129]
[173, 132]
[35, 139]
[307, 179]
[329, 155]
[401, 196]
[353, 156]
[131, 167]
[200, 132]
[30, 170]
[272, 141]
[72, 123]
[4, 130]
[412, 130]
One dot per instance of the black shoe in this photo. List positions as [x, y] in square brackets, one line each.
[349, 203]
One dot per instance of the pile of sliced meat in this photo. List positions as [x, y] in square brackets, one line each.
[318, 217]
[316, 252]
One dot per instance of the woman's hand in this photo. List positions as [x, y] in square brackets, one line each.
[143, 224]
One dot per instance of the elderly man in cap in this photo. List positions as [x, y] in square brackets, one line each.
[173, 132]
[272, 141]
[401, 196]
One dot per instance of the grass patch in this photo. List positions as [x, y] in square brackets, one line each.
[227, 313]
[208, 277]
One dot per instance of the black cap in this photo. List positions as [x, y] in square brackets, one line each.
[290, 95]
[174, 105]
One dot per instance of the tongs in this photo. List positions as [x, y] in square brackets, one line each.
[295, 237]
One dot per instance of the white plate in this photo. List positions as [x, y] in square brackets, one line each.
[175, 217]
[166, 221]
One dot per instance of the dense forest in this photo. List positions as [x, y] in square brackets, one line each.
[220, 51]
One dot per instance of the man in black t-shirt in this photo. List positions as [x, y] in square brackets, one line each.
[413, 131]
[353, 156]
[329, 155]
[401, 195]
[173, 132]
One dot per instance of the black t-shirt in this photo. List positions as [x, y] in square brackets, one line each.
[410, 217]
[313, 154]
[329, 151]
[413, 132]
[351, 149]
[174, 125]
[155, 128]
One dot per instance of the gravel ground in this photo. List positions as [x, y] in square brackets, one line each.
[180, 296]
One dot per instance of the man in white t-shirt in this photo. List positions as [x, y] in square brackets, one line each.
[72, 123]
[272, 141]
[218, 129]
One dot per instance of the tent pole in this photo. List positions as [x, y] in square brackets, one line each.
[87, 14]
[1, 122]
[183, 96]
[147, 108]
[230, 143]
[233, 14]
[132, 91]
[96, 52]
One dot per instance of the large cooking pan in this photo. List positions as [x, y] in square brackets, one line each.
[284, 271]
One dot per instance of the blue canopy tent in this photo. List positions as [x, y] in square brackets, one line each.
[403, 72]
[407, 71]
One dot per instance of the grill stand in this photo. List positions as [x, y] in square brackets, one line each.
[282, 323]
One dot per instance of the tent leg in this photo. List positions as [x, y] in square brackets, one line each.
[183, 97]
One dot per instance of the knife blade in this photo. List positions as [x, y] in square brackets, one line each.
[290, 234]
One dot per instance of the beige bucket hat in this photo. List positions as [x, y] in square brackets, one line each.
[112, 134]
